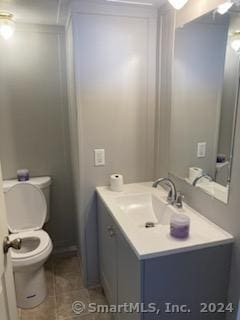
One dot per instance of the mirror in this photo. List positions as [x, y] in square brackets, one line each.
[204, 102]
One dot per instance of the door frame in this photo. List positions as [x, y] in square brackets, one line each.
[9, 287]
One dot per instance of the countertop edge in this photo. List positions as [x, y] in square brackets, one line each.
[229, 240]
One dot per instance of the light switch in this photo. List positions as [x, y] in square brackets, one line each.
[201, 149]
[99, 157]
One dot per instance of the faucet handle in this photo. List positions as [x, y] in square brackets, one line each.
[179, 200]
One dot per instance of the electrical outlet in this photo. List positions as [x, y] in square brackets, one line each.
[201, 149]
[99, 157]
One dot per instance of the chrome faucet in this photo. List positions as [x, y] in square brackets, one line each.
[179, 200]
[172, 195]
[199, 178]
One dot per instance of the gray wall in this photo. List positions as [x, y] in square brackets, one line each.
[114, 83]
[226, 216]
[33, 118]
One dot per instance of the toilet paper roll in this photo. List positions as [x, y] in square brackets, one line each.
[116, 182]
[195, 172]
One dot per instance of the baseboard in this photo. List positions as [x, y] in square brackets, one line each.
[94, 286]
[65, 250]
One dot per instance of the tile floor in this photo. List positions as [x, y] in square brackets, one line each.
[65, 286]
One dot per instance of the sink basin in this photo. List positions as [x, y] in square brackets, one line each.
[139, 204]
[145, 208]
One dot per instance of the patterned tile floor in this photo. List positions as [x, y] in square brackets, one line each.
[65, 285]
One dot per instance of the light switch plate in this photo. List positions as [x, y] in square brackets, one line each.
[99, 157]
[201, 149]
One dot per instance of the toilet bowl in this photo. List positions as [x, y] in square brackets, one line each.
[28, 268]
[26, 214]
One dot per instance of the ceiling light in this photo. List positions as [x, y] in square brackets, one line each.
[7, 25]
[235, 41]
[178, 4]
[132, 2]
[224, 7]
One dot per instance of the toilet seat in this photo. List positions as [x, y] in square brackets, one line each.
[40, 235]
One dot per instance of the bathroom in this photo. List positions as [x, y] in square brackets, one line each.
[99, 99]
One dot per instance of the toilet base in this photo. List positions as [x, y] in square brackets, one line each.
[31, 289]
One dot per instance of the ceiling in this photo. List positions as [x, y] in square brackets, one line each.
[48, 11]
[36, 11]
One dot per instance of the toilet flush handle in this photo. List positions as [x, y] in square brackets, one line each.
[15, 244]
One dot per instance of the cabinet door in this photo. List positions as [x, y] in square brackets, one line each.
[107, 253]
[129, 278]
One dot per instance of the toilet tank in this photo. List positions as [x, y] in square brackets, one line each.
[43, 183]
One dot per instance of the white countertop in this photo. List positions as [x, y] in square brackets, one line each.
[153, 242]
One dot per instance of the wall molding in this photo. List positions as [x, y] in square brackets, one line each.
[40, 28]
[115, 9]
[149, 19]
[65, 250]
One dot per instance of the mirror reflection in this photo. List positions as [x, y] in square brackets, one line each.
[204, 102]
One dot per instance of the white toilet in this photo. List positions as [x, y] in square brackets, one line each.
[27, 205]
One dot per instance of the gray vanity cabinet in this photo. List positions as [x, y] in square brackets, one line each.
[107, 253]
[119, 267]
[192, 278]
[128, 277]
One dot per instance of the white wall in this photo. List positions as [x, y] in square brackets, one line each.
[115, 69]
[34, 120]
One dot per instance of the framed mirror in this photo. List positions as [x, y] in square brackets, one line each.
[205, 101]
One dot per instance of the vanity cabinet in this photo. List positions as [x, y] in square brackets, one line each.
[120, 270]
[185, 279]
[108, 254]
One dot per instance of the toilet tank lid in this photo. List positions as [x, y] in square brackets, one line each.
[41, 182]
